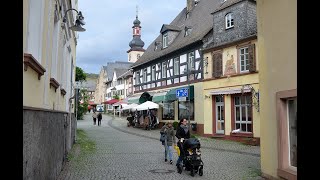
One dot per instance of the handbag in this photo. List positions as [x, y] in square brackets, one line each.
[162, 137]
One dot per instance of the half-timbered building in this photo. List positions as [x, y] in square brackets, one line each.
[174, 60]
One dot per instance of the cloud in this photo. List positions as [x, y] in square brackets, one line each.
[109, 28]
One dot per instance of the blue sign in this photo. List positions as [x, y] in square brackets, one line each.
[182, 92]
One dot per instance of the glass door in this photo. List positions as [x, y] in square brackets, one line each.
[219, 114]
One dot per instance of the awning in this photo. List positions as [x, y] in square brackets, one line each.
[146, 96]
[158, 97]
[230, 91]
[146, 105]
[134, 99]
[129, 107]
[112, 101]
[123, 101]
[171, 95]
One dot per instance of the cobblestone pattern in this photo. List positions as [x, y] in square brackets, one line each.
[215, 144]
[122, 155]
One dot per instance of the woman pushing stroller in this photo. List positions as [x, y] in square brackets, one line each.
[182, 133]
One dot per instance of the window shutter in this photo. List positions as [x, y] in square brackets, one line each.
[217, 65]
[252, 58]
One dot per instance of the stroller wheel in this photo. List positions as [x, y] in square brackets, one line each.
[200, 171]
[192, 172]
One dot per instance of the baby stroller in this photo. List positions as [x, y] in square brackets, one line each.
[191, 157]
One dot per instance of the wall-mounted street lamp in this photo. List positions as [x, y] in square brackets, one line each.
[78, 23]
[255, 96]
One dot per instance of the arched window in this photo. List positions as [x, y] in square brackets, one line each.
[229, 20]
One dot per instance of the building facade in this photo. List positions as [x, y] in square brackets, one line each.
[174, 61]
[231, 81]
[277, 43]
[49, 48]
[100, 87]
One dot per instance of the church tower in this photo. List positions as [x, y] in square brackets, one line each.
[136, 44]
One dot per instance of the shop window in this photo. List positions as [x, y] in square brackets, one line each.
[168, 111]
[184, 110]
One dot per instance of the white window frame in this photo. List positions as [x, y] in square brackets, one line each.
[165, 40]
[164, 69]
[229, 20]
[35, 29]
[145, 75]
[153, 72]
[245, 105]
[176, 66]
[244, 59]
[191, 60]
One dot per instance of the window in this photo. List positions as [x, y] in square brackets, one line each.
[184, 110]
[165, 40]
[191, 60]
[164, 69]
[176, 66]
[155, 45]
[187, 31]
[138, 56]
[229, 20]
[244, 59]
[137, 77]
[287, 137]
[145, 75]
[153, 75]
[168, 111]
[243, 113]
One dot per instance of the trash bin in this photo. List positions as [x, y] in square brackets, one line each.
[194, 126]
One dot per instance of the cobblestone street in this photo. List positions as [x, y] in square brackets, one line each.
[130, 153]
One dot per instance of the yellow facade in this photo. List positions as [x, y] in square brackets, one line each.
[230, 55]
[38, 93]
[277, 34]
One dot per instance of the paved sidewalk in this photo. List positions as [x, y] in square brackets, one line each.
[134, 154]
[207, 143]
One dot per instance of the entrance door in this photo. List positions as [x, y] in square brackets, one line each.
[219, 114]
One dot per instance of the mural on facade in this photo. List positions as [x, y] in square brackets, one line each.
[230, 67]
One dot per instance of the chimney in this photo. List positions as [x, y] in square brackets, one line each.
[190, 5]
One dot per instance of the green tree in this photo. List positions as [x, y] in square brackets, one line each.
[82, 108]
[80, 74]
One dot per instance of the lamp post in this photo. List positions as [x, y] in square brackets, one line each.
[114, 109]
[188, 81]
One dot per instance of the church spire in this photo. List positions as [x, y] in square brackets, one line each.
[136, 43]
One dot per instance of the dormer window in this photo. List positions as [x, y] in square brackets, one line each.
[187, 31]
[155, 45]
[229, 20]
[165, 40]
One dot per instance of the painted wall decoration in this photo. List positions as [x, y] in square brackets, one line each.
[230, 67]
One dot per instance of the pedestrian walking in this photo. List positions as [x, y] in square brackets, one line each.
[94, 116]
[182, 133]
[169, 140]
[99, 118]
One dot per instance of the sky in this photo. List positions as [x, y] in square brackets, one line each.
[109, 28]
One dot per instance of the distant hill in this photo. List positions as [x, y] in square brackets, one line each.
[92, 76]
